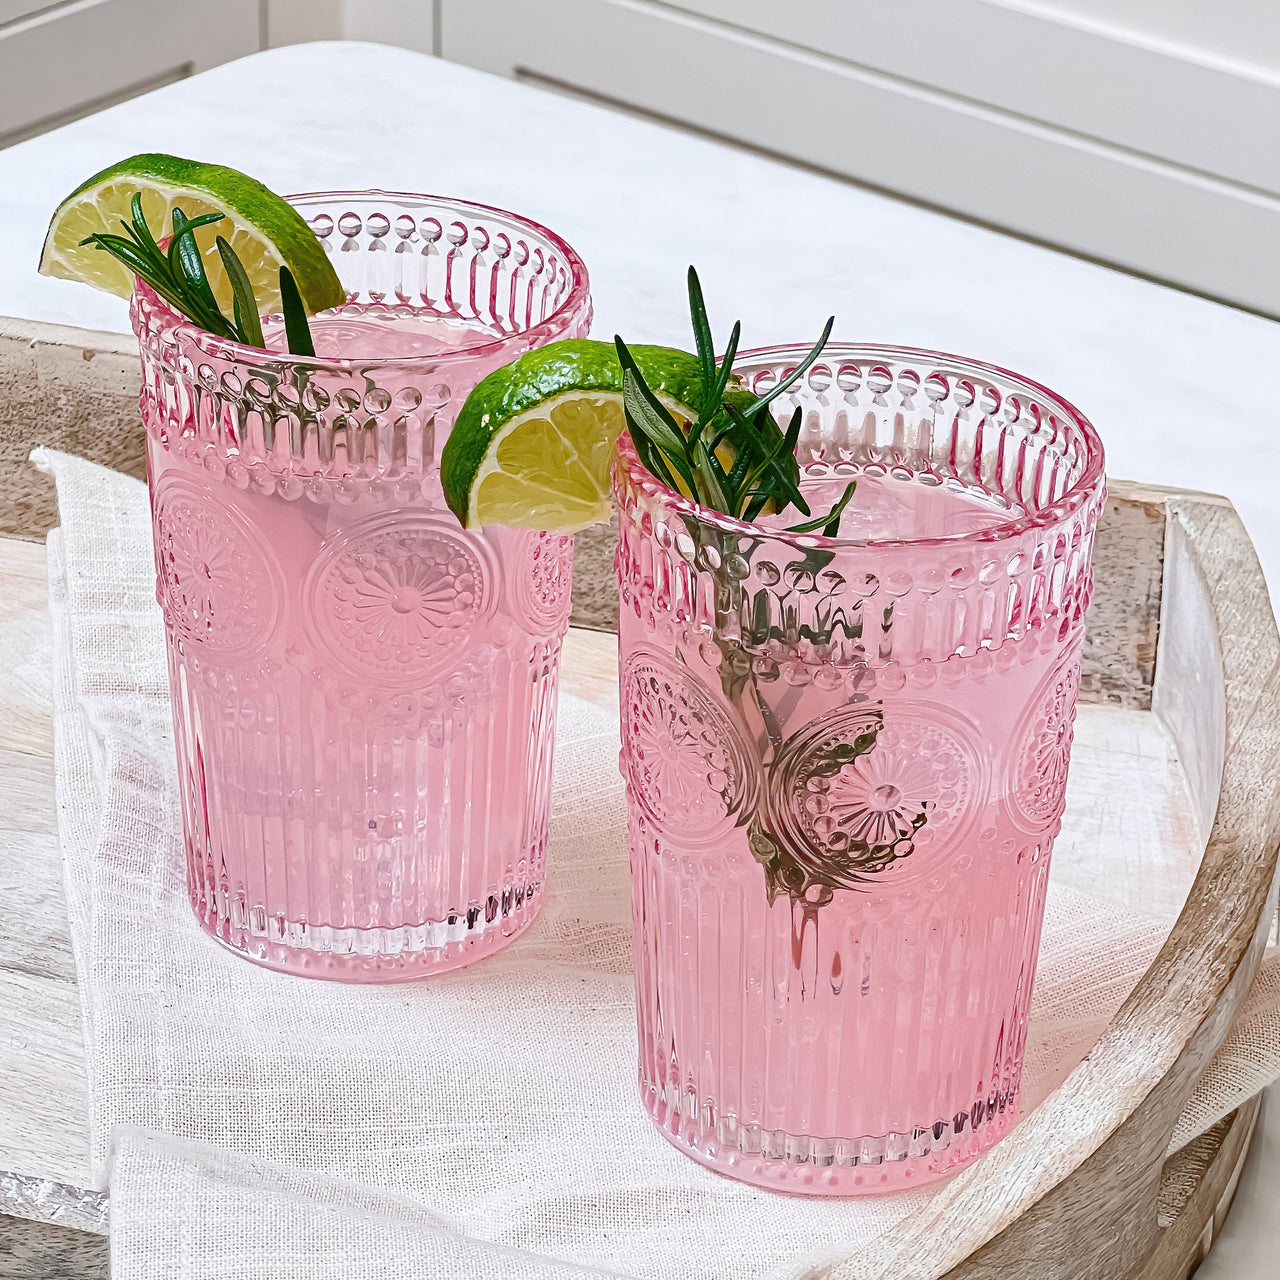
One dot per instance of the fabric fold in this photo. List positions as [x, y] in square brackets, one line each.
[482, 1122]
[185, 1209]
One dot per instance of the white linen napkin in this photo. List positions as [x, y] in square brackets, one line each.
[483, 1122]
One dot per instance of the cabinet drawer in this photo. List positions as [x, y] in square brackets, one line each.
[1152, 170]
[62, 60]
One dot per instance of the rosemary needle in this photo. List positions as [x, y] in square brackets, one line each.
[177, 274]
[733, 457]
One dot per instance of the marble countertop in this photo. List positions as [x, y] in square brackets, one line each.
[1181, 389]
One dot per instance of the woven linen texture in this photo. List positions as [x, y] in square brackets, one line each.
[465, 1117]
[288, 1223]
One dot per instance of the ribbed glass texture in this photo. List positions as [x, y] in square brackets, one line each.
[363, 692]
[845, 765]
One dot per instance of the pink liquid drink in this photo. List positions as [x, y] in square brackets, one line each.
[845, 763]
[363, 692]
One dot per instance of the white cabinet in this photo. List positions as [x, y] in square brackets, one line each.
[63, 60]
[407, 23]
[1069, 122]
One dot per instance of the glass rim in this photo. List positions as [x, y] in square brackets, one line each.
[1077, 496]
[241, 353]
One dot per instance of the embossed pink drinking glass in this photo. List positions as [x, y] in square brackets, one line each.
[363, 692]
[845, 763]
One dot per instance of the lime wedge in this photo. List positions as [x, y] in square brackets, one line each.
[265, 231]
[532, 444]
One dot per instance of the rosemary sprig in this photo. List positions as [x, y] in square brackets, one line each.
[244, 304]
[178, 276]
[297, 331]
[733, 457]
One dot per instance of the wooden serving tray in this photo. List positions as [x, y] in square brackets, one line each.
[1181, 631]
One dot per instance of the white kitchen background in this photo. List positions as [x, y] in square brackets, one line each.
[1143, 133]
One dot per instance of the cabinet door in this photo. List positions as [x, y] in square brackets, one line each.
[65, 59]
[1128, 83]
[1159, 158]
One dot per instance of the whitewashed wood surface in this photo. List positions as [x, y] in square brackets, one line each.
[1129, 818]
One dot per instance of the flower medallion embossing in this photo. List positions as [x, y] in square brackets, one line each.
[685, 760]
[218, 585]
[542, 587]
[396, 596]
[866, 787]
[1037, 783]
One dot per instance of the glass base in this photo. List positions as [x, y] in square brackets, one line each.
[804, 1165]
[403, 954]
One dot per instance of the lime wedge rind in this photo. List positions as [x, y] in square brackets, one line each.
[265, 231]
[533, 443]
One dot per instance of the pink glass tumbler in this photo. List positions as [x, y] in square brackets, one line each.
[363, 692]
[845, 764]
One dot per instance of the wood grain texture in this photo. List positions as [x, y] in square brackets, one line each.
[595, 590]
[1124, 616]
[1185, 696]
[589, 667]
[38, 1251]
[1099, 1221]
[76, 390]
[24, 637]
[69, 389]
[1196, 1193]
[1122, 626]
[43, 1092]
